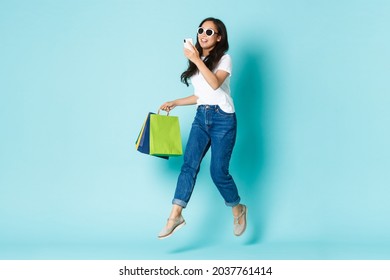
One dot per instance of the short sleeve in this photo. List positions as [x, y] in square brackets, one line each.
[225, 64]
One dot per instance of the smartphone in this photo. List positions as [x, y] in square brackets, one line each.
[187, 43]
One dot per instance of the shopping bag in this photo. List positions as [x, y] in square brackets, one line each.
[165, 137]
[143, 141]
[140, 144]
[160, 136]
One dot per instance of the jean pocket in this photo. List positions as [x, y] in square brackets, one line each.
[223, 113]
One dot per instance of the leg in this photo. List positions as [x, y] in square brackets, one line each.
[223, 137]
[197, 146]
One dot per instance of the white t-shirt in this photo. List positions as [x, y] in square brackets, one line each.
[221, 96]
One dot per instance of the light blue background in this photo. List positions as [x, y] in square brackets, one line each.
[311, 87]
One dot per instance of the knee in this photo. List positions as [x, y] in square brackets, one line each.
[189, 168]
[219, 175]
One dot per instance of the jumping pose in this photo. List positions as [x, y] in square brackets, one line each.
[214, 126]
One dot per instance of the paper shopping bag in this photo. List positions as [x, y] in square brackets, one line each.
[165, 137]
[160, 136]
[142, 143]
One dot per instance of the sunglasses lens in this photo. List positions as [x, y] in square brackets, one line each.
[200, 30]
[209, 32]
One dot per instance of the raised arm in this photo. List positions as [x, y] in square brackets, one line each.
[215, 80]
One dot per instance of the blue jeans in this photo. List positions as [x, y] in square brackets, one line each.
[213, 128]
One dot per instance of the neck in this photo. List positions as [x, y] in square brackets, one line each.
[206, 52]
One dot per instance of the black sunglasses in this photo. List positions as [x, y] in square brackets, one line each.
[209, 32]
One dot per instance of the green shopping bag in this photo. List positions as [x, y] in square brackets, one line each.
[165, 137]
[142, 144]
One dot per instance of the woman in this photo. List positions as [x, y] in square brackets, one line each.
[214, 125]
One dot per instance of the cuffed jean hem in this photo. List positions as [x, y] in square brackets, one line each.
[184, 205]
[179, 202]
[232, 204]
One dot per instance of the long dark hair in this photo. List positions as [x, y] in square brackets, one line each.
[216, 53]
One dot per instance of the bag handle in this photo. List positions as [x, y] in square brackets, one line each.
[158, 112]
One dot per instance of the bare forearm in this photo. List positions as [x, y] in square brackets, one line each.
[209, 76]
[170, 105]
[215, 80]
[189, 100]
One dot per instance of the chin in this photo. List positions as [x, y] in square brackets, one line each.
[206, 46]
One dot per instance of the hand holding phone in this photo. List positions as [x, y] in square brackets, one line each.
[188, 44]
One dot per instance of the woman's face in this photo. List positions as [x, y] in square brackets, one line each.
[208, 42]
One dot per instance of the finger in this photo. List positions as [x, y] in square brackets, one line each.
[188, 52]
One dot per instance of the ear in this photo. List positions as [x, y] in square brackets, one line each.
[219, 38]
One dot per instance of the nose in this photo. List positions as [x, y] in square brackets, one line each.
[203, 35]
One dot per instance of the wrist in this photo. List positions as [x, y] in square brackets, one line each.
[198, 62]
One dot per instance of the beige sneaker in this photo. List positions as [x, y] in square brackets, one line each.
[168, 231]
[239, 229]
